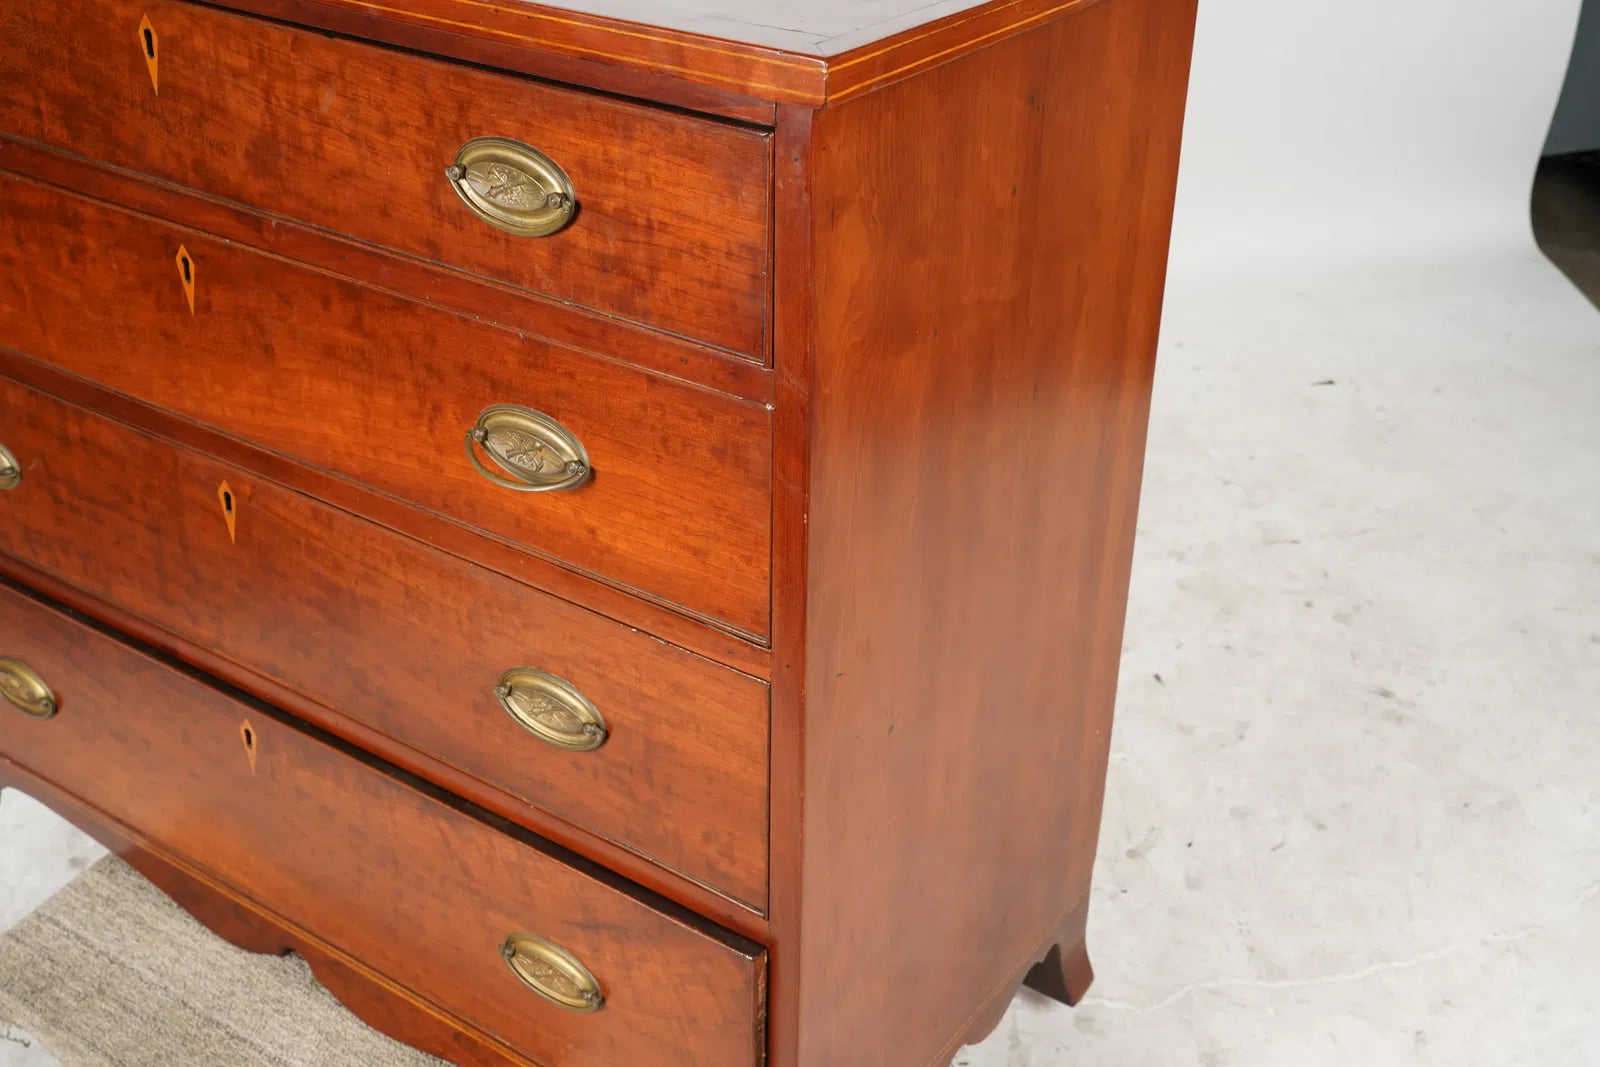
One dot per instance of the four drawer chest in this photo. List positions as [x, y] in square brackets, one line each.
[606, 528]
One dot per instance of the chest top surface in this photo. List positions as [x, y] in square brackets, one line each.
[814, 53]
[819, 28]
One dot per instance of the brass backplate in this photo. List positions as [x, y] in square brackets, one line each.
[513, 186]
[537, 453]
[10, 469]
[551, 709]
[552, 972]
[24, 690]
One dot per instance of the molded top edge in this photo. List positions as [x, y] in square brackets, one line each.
[811, 54]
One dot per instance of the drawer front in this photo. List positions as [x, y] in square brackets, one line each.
[384, 390]
[389, 873]
[401, 637]
[672, 224]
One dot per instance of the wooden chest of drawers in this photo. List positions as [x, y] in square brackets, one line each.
[605, 529]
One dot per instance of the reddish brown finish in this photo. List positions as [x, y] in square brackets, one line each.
[379, 1002]
[458, 540]
[501, 304]
[882, 63]
[630, 865]
[414, 887]
[560, 37]
[383, 391]
[793, 314]
[983, 352]
[1064, 974]
[613, 55]
[1064, 981]
[405, 639]
[952, 454]
[445, 37]
[673, 222]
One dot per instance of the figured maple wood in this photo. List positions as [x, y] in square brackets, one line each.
[509, 48]
[383, 390]
[436, 283]
[506, 559]
[405, 639]
[982, 359]
[672, 229]
[960, 387]
[418, 889]
[374, 999]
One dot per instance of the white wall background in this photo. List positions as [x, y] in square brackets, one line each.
[1366, 128]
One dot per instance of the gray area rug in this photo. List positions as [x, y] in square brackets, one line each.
[111, 973]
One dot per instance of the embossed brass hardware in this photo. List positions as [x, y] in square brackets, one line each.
[513, 186]
[552, 972]
[10, 470]
[25, 690]
[540, 454]
[550, 709]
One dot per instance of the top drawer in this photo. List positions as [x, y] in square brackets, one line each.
[671, 228]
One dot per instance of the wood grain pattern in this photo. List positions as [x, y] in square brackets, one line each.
[382, 391]
[641, 872]
[793, 320]
[924, 510]
[434, 283]
[374, 999]
[405, 639]
[983, 358]
[479, 31]
[810, 55]
[462, 541]
[875, 64]
[817, 28]
[509, 50]
[673, 225]
[417, 889]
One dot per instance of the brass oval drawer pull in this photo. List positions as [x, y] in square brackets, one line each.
[10, 469]
[513, 186]
[552, 972]
[25, 690]
[552, 710]
[539, 454]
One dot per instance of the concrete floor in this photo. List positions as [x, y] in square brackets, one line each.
[1355, 786]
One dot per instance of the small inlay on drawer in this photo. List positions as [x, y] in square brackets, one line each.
[654, 216]
[567, 967]
[652, 484]
[656, 749]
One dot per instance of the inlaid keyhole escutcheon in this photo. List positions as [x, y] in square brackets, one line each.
[149, 47]
[247, 734]
[186, 275]
[230, 510]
